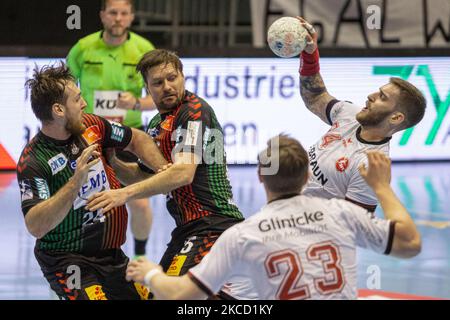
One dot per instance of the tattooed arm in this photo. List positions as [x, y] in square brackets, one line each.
[315, 95]
[312, 89]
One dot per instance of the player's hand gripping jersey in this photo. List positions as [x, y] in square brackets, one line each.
[46, 165]
[335, 158]
[192, 127]
[295, 248]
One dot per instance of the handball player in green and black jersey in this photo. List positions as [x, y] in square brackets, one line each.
[78, 250]
[199, 195]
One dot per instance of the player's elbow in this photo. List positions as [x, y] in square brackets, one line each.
[35, 227]
[414, 247]
[35, 230]
[185, 173]
[187, 177]
[409, 247]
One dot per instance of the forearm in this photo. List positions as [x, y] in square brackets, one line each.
[407, 242]
[161, 183]
[392, 207]
[46, 215]
[146, 149]
[175, 288]
[128, 172]
[147, 103]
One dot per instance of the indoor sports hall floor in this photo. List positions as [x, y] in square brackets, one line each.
[424, 188]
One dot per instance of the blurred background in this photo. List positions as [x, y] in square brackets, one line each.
[255, 94]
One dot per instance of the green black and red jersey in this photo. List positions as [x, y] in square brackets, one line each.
[46, 165]
[193, 127]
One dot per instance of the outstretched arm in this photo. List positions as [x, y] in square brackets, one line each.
[181, 173]
[407, 242]
[163, 286]
[146, 149]
[312, 88]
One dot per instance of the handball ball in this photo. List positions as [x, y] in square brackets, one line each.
[287, 37]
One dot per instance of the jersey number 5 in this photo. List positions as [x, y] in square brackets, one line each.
[290, 287]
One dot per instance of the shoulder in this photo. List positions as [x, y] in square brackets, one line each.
[89, 40]
[92, 119]
[142, 43]
[194, 104]
[28, 159]
[339, 109]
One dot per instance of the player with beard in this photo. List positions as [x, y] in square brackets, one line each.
[335, 158]
[189, 135]
[105, 65]
[78, 250]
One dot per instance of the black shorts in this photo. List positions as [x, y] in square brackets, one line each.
[183, 254]
[101, 276]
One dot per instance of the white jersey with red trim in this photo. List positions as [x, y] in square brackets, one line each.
[294, 248]
[335, 158]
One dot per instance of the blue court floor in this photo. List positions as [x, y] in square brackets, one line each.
[424, 189]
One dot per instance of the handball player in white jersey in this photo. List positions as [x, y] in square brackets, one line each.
[335, 158]
[296, 247]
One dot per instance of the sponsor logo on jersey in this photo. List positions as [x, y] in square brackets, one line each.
[167, 124]
[342, 164]
[315, 169]
[347, 142]
[91, 135]
[95, 292]
[73, 164]
[117, 132]
[328, 139]
[142, 291]
[97, 181]
[42, 188]
[193, 131]
[57, 163]
[292, 222]
[25, 190]
[176, 265]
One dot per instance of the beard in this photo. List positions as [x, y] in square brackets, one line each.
[168, 106]
[75, 127]
[116, 32]
[371, 118]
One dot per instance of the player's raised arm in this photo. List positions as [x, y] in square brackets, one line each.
[312, 88]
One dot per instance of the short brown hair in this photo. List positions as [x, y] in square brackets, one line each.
[157, 57]
[293, 164]
[105, 3]
[48, 87]
[411, 102]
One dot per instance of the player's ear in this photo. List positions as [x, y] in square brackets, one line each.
[58, 109]
[397, 118]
